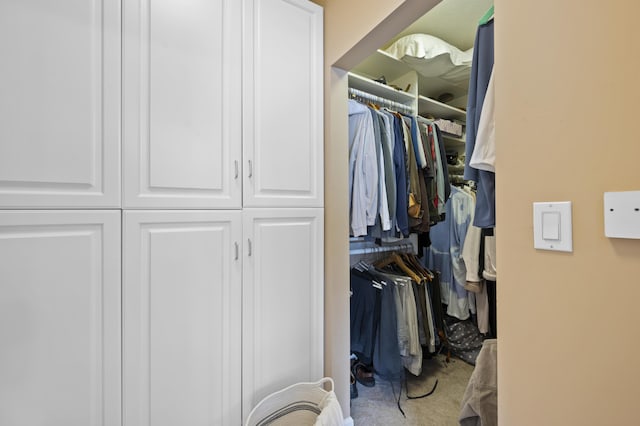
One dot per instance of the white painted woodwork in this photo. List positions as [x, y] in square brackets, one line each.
[282, 104]
[182, 104]
[182, 318]
[282, 300]
[60, 104]
[213, 99]
[60, 318]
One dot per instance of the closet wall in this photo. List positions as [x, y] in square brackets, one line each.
[153, 214]
[347, 45]
[411, 86]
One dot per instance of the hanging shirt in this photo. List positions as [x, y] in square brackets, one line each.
[363, 169]
[412, 171]
[400, 167]
[383, 203]
[430, 172]
[440, 172]
[389, 172]
[445, 253]
[481, 70]
[418, 147]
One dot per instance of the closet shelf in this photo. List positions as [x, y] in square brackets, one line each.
[380, 63]
[423, 89]
[455, 139]
[373, 87]
[440, 110]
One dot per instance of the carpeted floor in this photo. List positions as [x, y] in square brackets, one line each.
[377, 405]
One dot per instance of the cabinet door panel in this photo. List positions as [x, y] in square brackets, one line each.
[283, 115]
[283, 300]
[182, 103]
[60, 104]
[181, 302]
[60, 318]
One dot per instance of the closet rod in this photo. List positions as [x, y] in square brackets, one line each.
[368, 97]
[382, 249]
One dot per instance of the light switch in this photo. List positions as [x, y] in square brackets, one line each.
[552, 226]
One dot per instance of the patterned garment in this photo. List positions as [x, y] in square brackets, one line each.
[445, 253]
[465, 340]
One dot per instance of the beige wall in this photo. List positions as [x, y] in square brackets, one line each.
[567, 88]
[568, 80]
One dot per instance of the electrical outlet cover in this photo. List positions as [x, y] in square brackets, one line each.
[622, 214]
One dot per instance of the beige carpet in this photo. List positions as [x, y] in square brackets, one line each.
[377, 406]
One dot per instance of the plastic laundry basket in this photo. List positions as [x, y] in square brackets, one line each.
[300, 404]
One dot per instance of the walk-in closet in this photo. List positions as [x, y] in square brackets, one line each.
[421, 221]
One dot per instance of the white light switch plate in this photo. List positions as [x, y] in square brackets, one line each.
[622, 214]
[552, 228]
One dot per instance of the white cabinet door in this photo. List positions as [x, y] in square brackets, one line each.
[60, 318]
[282, 104]
[182, 103]
[182, 312]
[60, 104]
[282, 300]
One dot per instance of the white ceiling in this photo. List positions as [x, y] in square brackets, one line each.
[454, 21]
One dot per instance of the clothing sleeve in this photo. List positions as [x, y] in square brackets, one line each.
[441, 198]
[471, 249]
[443, 160]
[484, 152]
[370, 176]
[471, 254]
[421, 158]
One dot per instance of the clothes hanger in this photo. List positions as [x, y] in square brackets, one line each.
[407, 260]
[488, 16]
[412, 261]
[394, 258]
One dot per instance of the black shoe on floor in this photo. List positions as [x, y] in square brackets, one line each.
[354, 389]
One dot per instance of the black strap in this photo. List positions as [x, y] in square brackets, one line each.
[435, 385]
[400, 394]
[421, 396]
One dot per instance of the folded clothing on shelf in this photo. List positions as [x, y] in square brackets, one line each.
[448, 126]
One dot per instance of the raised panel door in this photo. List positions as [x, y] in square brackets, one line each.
[182, 104]
[60, 104]
[282, 300]
[182, 313]
[282, 104]
[60, 318]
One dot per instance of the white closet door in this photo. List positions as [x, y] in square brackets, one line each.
[282, 104]
[60, 103]
[282, 300]
[182, 313]
[182, 103]
[60, 318]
